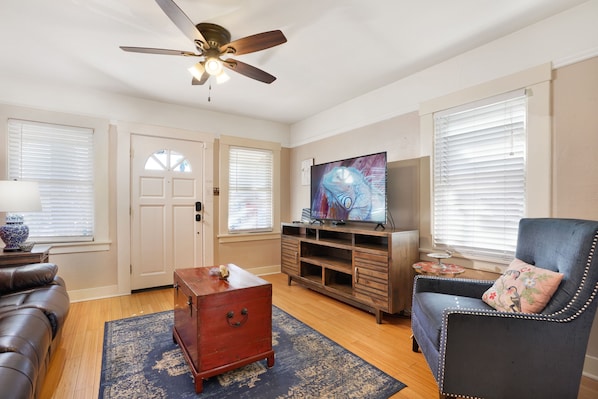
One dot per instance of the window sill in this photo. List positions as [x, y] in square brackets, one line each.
[227, 238]
[75, 247]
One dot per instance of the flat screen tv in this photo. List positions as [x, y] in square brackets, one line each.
[352, 189]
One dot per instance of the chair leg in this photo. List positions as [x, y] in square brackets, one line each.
[414, 344]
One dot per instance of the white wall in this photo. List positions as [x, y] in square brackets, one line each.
[399, 137]
[45, 95]
[562, 39]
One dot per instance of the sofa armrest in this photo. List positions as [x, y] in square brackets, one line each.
[18, 278]
[510, 343]
[451, 286]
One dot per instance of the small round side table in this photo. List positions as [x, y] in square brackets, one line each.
[434, 269]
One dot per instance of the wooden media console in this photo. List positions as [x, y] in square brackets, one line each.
[366, 268]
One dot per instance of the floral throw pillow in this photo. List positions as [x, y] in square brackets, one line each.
[522, 288]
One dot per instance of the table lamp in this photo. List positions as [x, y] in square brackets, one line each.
[17, 196]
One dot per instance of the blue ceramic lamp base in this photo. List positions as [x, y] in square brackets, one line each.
[14, 233]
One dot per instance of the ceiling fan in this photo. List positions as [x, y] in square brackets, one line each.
[213, 44]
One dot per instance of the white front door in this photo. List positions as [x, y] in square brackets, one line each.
[166, 208]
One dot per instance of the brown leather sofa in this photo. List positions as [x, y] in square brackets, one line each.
[33, 307]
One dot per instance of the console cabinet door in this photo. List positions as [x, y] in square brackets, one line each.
[290, 255]
[371, 279]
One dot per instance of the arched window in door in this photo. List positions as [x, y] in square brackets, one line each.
[168, 160]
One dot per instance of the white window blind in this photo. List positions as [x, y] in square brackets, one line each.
[60, 159]
[479, 177]
[250, 190]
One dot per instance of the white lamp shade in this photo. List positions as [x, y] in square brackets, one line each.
[19, 196]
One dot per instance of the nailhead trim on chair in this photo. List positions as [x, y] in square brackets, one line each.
[528, 316]
[583, 280]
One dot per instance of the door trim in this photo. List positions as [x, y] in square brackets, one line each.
[121, 133]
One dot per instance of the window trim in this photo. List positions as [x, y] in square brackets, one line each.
[101, 128]
[22, 138]
[225, 143]
[263, 195]
[452, 234]
[536, 82]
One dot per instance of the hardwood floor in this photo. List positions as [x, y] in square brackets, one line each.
[74, 372]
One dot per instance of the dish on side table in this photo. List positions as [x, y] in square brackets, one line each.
[433, 268]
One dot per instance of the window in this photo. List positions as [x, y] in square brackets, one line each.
[250, 190]
[60, 158]
[479, 177]
[168, 160]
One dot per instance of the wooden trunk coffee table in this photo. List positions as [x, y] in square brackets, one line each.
[219, 324]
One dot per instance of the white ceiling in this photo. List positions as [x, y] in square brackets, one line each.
[336, 49]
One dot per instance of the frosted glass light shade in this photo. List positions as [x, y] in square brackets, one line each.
[222, 78]
[197, 71]
[19, 196]
[213, 66]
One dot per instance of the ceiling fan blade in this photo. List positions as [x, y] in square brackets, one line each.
[248, 70]
[257, 42]
[181, 20]
[204, 79]
[162, 51]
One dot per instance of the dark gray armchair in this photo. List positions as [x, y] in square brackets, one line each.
[475, 351]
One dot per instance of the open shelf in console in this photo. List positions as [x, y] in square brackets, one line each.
[334, 258]
[299, 230]
[375, 242]
[339, 281]
[311, 272]
[335, 237]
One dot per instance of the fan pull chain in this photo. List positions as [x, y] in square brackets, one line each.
[209, 92]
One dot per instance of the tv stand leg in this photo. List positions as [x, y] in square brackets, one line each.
[380, 225]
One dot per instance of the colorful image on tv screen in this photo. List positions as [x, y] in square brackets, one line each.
[350, 190]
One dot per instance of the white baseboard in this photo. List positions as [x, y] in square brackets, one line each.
[265, 270]
[110, 291]
[590, 367]
[89, 294]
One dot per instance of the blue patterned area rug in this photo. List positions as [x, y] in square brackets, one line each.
[140, 360]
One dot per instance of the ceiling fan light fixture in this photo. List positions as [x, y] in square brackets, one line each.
[213, 66]
[213, 42]
[222, 78]
[197, 70]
